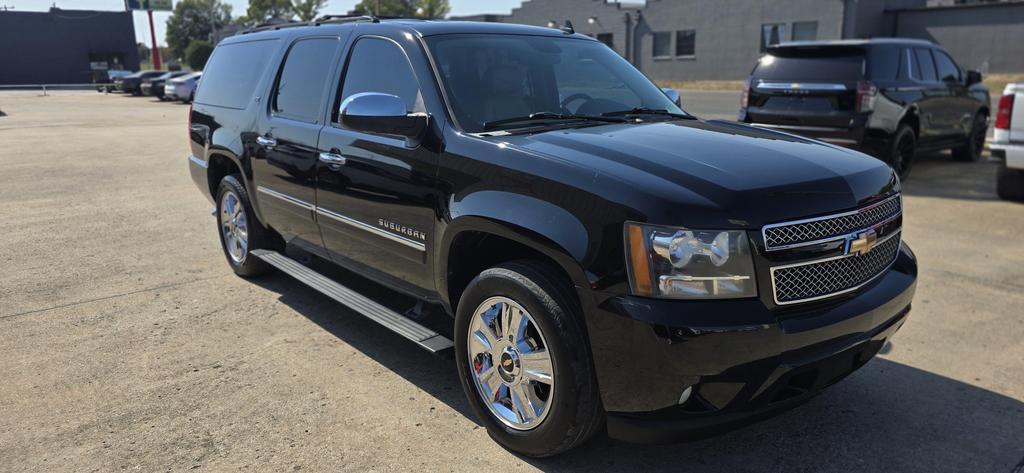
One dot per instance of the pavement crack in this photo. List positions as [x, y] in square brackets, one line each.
[114, 296]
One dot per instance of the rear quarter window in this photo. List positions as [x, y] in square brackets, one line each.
[884, 63]
[230, 77]
[810, 65]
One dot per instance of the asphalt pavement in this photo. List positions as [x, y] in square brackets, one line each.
[126, 343]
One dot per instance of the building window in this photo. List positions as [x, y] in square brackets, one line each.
[805, 30]
[662, 44]
[607, 38]
[772, 34]
[686, 43]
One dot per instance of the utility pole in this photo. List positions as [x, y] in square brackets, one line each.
[155, 52]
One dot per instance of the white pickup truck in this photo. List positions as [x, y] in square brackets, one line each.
[1008, 142]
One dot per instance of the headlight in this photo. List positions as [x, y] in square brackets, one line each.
[683, 263]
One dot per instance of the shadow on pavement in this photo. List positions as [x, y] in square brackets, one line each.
[938, 175]
[886, 417]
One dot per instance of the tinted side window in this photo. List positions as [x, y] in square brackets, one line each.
[232, 74]
[884, 62]
[926, 67]
[947, 68]
[300, 86]
[378, 65]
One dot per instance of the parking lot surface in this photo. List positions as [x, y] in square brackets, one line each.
[126, 343]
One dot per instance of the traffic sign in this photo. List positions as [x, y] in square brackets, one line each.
[148, 5]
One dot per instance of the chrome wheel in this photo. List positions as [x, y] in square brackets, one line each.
[510, 363]
[234, 227]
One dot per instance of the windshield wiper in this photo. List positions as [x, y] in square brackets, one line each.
[646, 111]
[546, 116]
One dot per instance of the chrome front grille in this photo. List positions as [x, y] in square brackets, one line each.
[803, 282]
[812, 230]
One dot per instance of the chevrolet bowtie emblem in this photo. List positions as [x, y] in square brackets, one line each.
[507, 363]
[862, 244]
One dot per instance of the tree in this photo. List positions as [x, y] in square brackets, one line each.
[143, 51]
[197, 53]
[433, 9]
[260, 11]
[386, 7]
[307, 10]
[195, 19]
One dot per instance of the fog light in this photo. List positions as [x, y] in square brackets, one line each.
[686, 394]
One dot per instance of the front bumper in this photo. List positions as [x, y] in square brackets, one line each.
[741, 360]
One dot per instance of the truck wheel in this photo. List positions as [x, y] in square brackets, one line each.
[971, 149]
[524, 361]
[900, 152]
[1010, 183]
[239, 231]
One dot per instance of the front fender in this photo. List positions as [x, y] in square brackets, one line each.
[539, 225]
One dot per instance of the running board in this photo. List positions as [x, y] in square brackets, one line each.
[394, 321]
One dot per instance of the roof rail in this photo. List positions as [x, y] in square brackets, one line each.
[267, 27]
[345, 19]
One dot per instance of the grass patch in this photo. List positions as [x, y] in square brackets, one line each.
[997, 82]
[733, 85]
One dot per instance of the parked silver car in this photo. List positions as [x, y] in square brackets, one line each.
[182, 88]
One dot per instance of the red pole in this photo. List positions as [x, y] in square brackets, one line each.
[155, 52]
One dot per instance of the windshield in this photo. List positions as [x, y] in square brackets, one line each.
[490, 78]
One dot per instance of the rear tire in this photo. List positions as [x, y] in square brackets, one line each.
[972, 149]
[899, 154]
[567, 405]
[239, 229]
[1010, 183]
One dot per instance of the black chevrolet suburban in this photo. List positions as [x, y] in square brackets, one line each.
[888, 97]
[600, 259]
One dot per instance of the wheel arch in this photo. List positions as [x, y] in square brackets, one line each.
[911, 116]
[473, 243]
[221, 163]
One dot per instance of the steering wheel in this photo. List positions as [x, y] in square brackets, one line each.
[573, 98]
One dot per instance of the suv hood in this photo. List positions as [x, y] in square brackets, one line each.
[715, 174]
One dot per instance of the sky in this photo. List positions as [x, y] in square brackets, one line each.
[459, 7]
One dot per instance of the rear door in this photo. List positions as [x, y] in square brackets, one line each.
[806, 86]
[284, 146]
[935, 114]
[377, 210]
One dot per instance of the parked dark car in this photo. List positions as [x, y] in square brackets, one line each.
[888, 97]
[131, 84]
[155, 85]
[598, 258]
[110, 78]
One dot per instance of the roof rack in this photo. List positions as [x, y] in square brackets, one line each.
[345, 19]
[268, 27]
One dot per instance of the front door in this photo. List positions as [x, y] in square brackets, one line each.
[284, 168]
[376, 208]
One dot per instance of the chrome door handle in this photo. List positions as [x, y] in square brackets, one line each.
[332, 158]
[266, 141]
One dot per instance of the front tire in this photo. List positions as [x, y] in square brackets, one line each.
[524, 361]
[971, 150]
[240, 232]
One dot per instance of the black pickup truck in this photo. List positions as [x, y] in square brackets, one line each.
[602, 260]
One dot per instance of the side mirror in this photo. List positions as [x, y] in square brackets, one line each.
[973, 77]
[673, 95]
[374, 112]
